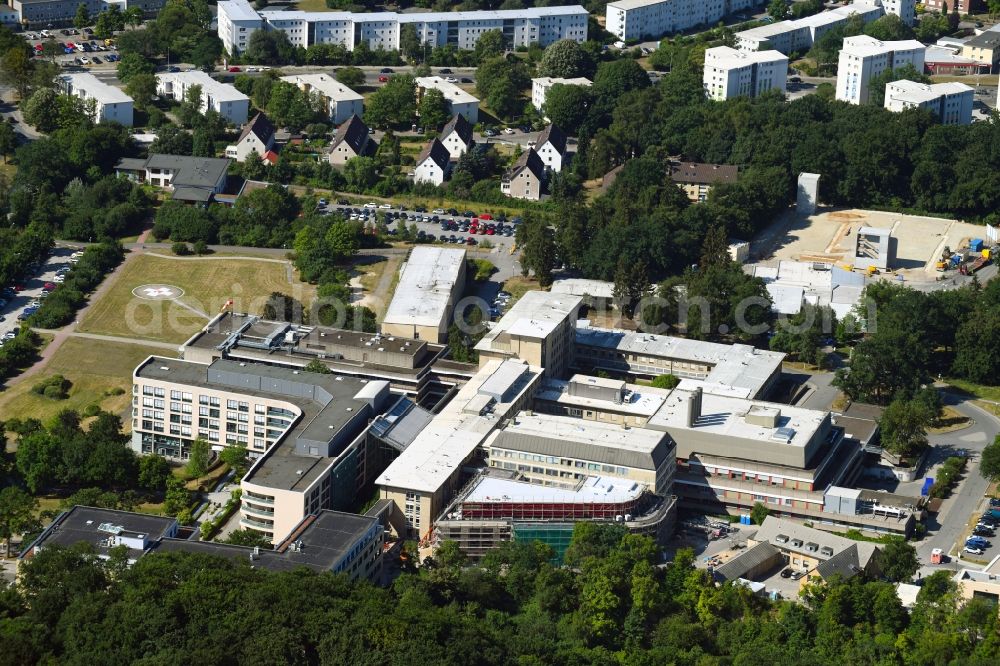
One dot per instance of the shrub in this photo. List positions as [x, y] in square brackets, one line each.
[91, 410]
[55, 387]
[180, 249]
[201, 247]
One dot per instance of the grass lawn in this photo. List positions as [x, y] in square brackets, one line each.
[976, 390]
[518, 286]
[207, 284]
[95, 367]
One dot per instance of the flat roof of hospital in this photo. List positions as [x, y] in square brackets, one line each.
[725, 416]
[733, 365]
[638, 400]
[570, 430]
[425, 288]
[593, 489]
[450, 438]
[540, 312]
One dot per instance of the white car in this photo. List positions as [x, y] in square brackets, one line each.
[85, 60]
[508, 130]
[371, 204]
[59, 279]
[451, 79]
[972, 550]
[438, 211]
[385, 206]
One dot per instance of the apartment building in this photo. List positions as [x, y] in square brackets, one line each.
[729, 73]
[224, 99]
[237, 20]
[950, 102]
[430, 284]
[47, 13]
[799, 35]
[459, 102]
[340, 101]
[304, 429]
[540, 88]
[862, 58]
[983, 48]
[110, 104]
[963, 6]
[639, 19]
[538, 328]
[433, 467]
[697, 179]
[193, 179]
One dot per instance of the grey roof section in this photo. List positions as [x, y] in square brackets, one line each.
[191, 171]
[845, 563]
[260, 126]
[529, 160]
[747, 561]
[186, 193]
[437, 152]
[131, 164]
[401, 424]
[598, 442]
[460, 126]
[775, 529]
[553, 135]
[92, 525]
[986, 40]
[355, 133]
[326, 538]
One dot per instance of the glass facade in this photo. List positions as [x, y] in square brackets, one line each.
[555, 535]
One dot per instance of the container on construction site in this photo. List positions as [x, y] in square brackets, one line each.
[976, 244]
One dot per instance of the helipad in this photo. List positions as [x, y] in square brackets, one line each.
[158, 292]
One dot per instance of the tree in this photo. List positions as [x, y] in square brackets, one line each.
[434, 110]
[500, 82]
[876, 87]
[977, 346]
[361, 173]
[989, 464]
[133, 64]
[489, 45]
[538, 249]
[17, 513]
[154, 470]
[133, 16]
[631, 284]
[141, 88]
[8, 140]
[172, 140]
[200, 456]
[898, 559]
[777, 9]
[394, 103]
[409, 41]
[758, 513]
[177, 498]
[235, 456]
[565, 59]
[351, 76]
[903, 426]
[82, 18]
[317, 366]
[668, 382]
[270, 47]
[889, 28]
[567, 106]
[17, 70]
[250, 538]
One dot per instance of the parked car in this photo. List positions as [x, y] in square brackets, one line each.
[972, 550]
[234, 69]
[383, 78]
[385, 206]
[48, 286]
[466, 79]
[444, 70]
[385, 70]
[451, 79]
[172, 69]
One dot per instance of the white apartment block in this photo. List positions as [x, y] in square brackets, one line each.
[111, 105]
[222, 98]
[636, 19]
[950, 102]
[380, 30]
[540, 87]
[800, 34]
[460, 103]
[863, 58]
[904, 9]
[340, 101]
[730, 73]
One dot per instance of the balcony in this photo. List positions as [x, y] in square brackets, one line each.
[260, 525]
[257, 511]
[258, 499]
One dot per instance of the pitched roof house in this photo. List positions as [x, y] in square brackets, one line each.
[352, 140]
[525, 177]
[432, 164]
[457, 136]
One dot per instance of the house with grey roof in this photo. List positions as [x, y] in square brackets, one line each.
[457, 136]
[192, 179]
[352, 140]
[257, 137]
[525, 178]
[433, 164]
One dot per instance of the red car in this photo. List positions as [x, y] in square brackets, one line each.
[485, 216]
[234, 69]
[48, 286]
[383, 79]
[18, 287]
[490, 232]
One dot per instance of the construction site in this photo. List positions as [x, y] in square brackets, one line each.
[909, 248]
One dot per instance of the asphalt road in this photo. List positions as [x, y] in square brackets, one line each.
[32, 289]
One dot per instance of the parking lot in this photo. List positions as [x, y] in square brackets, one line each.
[439, 225]
[30, 292]
[79, 48]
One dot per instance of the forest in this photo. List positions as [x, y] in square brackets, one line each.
[613, 603]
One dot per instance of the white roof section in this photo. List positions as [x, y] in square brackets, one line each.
[451, 92]
[945, 54]
[536, 314]
[583, 287]
[863, 45]
[326, 85]
[792, 283]
[221, 92]
[724, 416]
[464, 423]
[907, 594]
[917, 93]
[638, 400]
[593, 489]
[728, 57]
[634, 4]
[734, 365]
[425, 287]
[578, 81]
[429, 17]
[570, 430]
[93, 87]
[238, 10]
